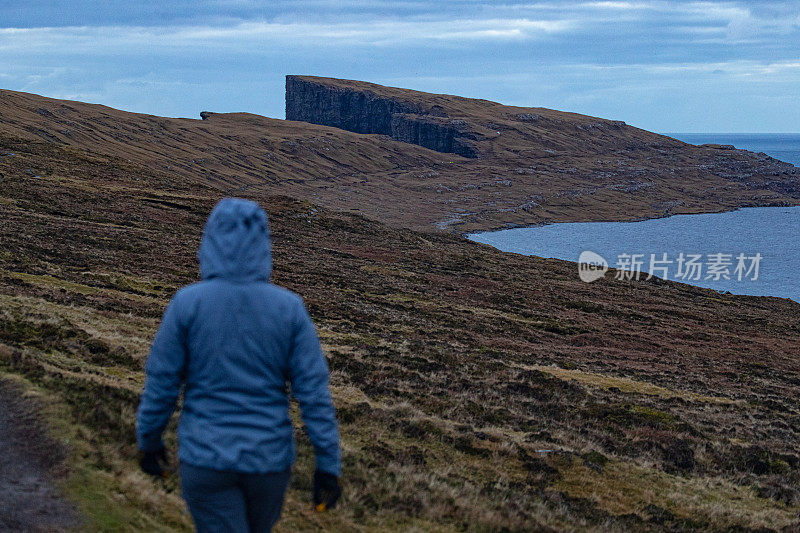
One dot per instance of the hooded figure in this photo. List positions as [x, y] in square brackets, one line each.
[234, 342]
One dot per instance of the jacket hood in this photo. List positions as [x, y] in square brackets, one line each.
[236, 243]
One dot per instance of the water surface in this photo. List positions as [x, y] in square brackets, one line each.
[771, 232]
[783, 146]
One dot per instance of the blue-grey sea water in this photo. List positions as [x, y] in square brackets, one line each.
[783, 146]
[768, 232]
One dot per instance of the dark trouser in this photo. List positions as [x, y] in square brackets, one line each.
[232, 501]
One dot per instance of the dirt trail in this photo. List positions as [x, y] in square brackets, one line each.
[29, 498]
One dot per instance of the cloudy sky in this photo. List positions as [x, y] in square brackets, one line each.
[665, 66]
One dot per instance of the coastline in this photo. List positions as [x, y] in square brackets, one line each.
[565, 242]
[466, 235]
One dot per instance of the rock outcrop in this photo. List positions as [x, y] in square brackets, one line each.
[469, 127]
[363, 111]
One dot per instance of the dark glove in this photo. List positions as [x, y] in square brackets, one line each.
[326, 490]
[154, 463]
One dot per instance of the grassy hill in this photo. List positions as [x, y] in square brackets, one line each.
[476, 390]
[530, 165]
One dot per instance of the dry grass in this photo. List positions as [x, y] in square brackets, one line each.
[697, 502]
[625, 385]
[476, 390]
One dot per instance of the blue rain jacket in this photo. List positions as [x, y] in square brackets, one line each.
[235, 341]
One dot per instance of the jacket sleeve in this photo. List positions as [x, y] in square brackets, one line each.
[308, 374]
[164, 373]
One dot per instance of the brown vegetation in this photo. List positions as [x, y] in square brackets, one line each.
[530, 165]
[476, 390]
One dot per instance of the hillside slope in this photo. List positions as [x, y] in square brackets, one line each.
[478, 128]
[476, 390]
[513, 165]
[533, 165]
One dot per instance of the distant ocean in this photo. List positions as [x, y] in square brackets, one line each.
[783, 146]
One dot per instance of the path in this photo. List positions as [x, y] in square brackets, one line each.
[29, 498]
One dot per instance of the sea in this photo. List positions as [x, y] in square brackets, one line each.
[753, 251]
[783, 146]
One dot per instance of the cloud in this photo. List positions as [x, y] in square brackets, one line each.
[159, 56]
[77, 39]
[736, 68]
[619, 5]
[739, 23]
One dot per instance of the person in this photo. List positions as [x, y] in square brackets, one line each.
[233, 342]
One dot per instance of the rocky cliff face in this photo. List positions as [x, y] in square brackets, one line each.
[469, 127]
[363, 111]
